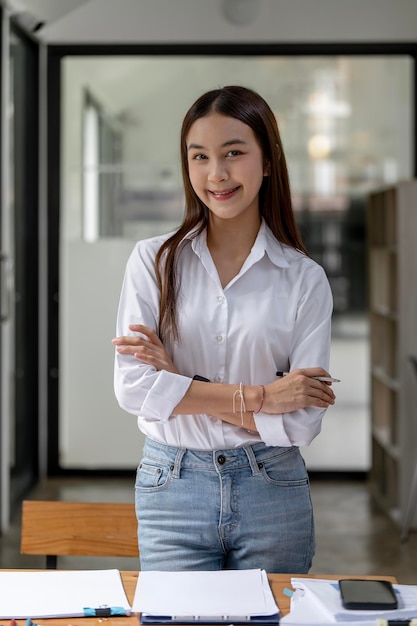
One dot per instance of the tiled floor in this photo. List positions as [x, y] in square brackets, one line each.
[352, 537]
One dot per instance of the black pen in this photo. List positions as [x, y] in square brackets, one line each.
[323, 379]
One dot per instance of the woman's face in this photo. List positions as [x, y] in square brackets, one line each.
[226, 166]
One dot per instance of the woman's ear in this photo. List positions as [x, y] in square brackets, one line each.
[267, 169]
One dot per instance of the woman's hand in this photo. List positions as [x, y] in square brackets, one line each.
[297, 390]
[146, 347]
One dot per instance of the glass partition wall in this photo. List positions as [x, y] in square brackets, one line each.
[346, 125]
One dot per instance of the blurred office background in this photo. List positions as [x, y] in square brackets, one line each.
[93, 95]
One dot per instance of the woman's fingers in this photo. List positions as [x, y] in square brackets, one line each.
[298, 390]
[150, 333]
[138, 346]
[127, 343]
[146, 347]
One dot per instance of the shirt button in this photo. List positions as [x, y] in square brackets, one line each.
[220, 299]
[221, 459]
[217, 379]
[219, 338]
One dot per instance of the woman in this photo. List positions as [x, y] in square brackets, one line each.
[207, 316]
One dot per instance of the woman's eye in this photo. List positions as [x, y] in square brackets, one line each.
[233, 153]
[199, 157]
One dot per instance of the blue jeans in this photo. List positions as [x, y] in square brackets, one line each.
[242, 508]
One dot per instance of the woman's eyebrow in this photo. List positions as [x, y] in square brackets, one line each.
[194, 146]
[229, 142]
[233, 142]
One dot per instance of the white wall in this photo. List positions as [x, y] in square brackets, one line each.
[94, 432]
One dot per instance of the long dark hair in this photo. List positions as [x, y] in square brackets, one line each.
[274, 196]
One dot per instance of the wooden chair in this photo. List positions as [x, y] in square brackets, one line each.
[54, 528]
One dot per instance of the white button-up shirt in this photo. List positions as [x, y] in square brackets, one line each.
[274, 315]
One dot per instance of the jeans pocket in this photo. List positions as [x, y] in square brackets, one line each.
[152, 476]
[285, 469]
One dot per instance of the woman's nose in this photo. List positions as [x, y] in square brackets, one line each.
[218, 170]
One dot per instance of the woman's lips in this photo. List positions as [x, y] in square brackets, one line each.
[223, 195]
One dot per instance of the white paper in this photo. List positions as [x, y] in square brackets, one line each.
[224, 594]
[59, 593]
[317, 602]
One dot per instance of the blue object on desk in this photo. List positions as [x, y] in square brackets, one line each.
[108, 611]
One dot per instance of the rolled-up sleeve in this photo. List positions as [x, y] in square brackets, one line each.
[310, 348]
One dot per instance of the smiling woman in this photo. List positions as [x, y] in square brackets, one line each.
[235, 298]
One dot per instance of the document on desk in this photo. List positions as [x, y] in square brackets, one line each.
[59, 593]
[317, 602]
[232, 596]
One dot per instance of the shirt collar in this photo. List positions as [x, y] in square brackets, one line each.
[265, 242]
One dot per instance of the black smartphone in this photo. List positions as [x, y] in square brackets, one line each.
[367, 595]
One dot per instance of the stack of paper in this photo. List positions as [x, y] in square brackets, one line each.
[54, 593]
[317, 602]
[234, 596]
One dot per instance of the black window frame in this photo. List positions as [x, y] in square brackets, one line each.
[56, 53]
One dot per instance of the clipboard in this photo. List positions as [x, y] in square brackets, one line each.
[205, 597]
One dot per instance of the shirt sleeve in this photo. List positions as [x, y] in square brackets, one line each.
[139, 388]
[310, 348]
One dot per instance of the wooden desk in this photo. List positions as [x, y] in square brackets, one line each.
[277, 581]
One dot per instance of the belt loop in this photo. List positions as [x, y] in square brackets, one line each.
[177, 462]
[252, 460]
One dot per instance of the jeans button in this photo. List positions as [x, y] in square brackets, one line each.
[221, 459]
